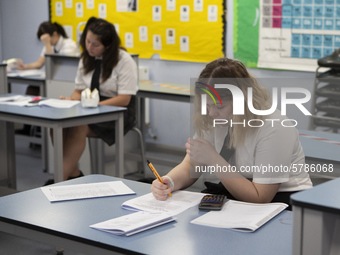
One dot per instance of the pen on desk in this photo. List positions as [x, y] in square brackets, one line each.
[153, 169]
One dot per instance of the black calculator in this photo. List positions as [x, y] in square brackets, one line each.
[212, 202]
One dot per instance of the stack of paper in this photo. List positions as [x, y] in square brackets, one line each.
[180, 201]
[133, 223]
[27, 73]
[89, 190]
[151, 212]
[241, 216]
[18, 100]
[58, 103]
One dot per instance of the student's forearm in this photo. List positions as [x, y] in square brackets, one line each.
[244, 189]
[76, 95]
[181, 175]
[35, 65]
[120, 100]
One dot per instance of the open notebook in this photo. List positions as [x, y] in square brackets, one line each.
[241, 216]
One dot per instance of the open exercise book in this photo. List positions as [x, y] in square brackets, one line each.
[241, 216]
[133, 223]
[151, 212]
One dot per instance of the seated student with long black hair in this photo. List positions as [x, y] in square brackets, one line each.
[117, 85]
[240, 147]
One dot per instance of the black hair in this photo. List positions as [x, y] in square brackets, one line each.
[49, 28]
[109, 38]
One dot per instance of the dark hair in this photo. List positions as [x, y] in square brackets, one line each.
[49, 28]
[109, 38]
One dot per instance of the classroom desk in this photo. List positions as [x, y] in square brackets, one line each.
[36, 80]
[57, 119]
[162, 91]
[3, 78]
[165, 91]
[322, 148]
[66, 224]
[316, 214]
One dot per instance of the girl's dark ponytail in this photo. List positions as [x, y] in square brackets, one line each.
[60, 30]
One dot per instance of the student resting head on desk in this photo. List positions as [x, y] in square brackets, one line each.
[55, 40]
[235, 147]
[117, 85]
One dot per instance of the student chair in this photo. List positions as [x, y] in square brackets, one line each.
[97, 145]
[97, 153]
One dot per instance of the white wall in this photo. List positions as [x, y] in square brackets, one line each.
[19, 21]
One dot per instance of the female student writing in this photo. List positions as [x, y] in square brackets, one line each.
[237, 146]
[117, 85]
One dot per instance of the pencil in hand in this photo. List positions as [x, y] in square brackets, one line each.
[153, 169]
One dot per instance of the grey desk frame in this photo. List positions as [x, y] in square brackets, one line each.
[57, 120]
[71, 231]
[319, 151]
[30, 80]
[155, 90]
[3, 79]
[40, 82]
[316, 215]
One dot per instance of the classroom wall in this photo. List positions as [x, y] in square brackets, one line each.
[20, 19]
[19, 23]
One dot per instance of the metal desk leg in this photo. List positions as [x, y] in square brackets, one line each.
[7, 154]
[58, 153]
[120, 145]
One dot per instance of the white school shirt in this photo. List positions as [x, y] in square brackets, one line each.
[64, 46]
[268, 146]
[123, 79]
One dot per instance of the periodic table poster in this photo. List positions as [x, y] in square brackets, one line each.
[294, 34]
[184, 30]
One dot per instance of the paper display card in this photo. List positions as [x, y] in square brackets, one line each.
[170, 36]
[102, 11]
[79, 10]
[184, 43]
[171, 5]
[241, 216]
[143, 33]
[89, 190]
[157, 13]
[129, 40]
[198, 5]
[133, 223]
[58, 8]
[58, 103]
[157, 42]
[212, 13]
[184, 14]
[180, 201]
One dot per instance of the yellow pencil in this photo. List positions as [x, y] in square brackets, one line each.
[153, 169]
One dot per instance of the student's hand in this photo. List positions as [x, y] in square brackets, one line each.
[201, 151]
[45, 39]
[65, 98]
[21, 66]
[160, 190]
